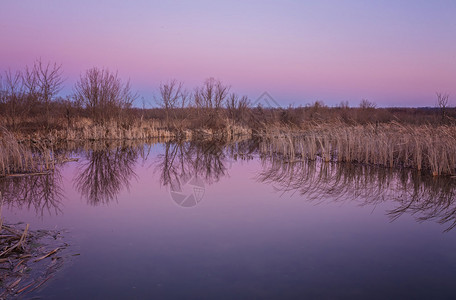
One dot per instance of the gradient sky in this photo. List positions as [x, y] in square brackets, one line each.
[394, 53]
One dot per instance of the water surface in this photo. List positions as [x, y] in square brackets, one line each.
[208, 220]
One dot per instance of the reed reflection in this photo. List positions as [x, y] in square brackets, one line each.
[106, 171]
[43, 193]
[425, 197]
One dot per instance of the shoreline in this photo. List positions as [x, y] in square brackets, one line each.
[424, 148]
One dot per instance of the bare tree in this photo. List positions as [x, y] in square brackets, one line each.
[442, 102]
[13, 96]
[170, 94]
[46, 81]
[231, 104]
[104, 94]
[30, 80]
[198, 100]
[184, 98]
[212, 94]
[237, 107]
[220, 94]
[210, 98]
[207, 93]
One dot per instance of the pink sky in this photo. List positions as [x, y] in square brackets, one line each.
[394, 53]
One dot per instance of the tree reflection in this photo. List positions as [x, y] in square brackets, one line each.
[106, 171]
[197, 163]
[42, 192]
[425, 197]
[108, 167]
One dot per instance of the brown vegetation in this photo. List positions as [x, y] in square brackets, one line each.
[425, 147]
[25, 261]
[18, 158]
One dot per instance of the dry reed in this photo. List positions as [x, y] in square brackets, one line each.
[17, 158]
[21, 253]
[392, 145]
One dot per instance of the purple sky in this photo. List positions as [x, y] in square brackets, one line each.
[394, 53]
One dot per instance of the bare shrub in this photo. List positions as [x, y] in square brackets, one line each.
[366, 104]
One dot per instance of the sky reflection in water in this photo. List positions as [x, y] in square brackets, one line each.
[256, 227]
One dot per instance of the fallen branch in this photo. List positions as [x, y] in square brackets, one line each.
[18, 244]
[47, 255]
[26, 174]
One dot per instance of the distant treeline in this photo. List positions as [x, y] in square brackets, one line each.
[30, 102]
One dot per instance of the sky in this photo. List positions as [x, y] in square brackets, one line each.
[393, 53]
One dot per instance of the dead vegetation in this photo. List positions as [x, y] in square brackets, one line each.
[424, 148]
[16, 158]
[28, 258]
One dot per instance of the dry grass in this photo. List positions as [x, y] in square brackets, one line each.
[392, 145]
[17, 158]
[84, 129]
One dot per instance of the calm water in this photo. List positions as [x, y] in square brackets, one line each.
[206, 221]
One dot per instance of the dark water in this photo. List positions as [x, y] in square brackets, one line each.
[211, 221]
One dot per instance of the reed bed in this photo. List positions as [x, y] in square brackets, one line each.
[391, 145]
[17, 158]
